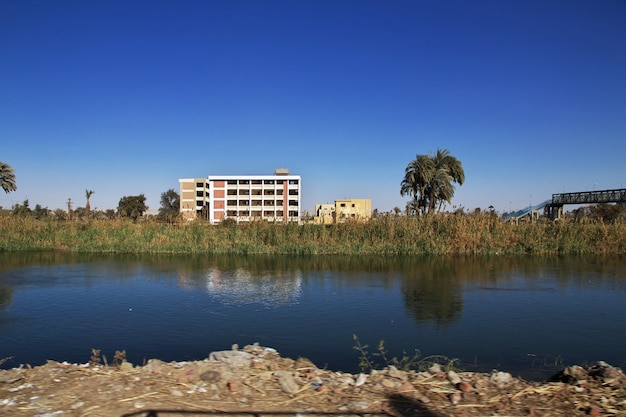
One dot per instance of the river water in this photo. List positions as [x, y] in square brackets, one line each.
[524, 315]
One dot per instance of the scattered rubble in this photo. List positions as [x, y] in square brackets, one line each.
[258, 380]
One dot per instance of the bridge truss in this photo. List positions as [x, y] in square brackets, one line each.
[554, 209]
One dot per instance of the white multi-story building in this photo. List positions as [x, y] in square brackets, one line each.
[243, 198]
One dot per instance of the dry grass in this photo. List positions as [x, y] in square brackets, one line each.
[439, 235]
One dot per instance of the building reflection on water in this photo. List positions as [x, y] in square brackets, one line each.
[241, 286]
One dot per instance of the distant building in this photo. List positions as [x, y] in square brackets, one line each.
[343, 210]
[243, 198]
[324, 214]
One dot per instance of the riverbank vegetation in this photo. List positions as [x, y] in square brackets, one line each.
[440, 234]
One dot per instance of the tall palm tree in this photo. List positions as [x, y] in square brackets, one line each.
[448, 169]
[417, 176]
[7, 178]
[88, 194]
[428, 179]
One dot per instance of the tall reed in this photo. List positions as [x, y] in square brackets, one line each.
[438, 234]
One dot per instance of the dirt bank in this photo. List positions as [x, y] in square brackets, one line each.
[257, 380]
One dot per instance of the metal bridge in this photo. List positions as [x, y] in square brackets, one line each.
[554, 208]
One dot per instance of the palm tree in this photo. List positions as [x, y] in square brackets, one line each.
[417, 176]
[7, 178]
[88, 194]
[428, 179]
[448, 169]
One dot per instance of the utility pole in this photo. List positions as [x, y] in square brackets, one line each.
[69, 209]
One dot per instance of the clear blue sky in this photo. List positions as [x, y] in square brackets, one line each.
[126, 97]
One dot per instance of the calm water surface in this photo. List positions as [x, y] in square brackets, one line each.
[523, 315]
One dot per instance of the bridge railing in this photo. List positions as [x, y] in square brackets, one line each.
[525, 211]
[586, 197]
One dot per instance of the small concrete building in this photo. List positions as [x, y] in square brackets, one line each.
[324, 214]
[343, 210]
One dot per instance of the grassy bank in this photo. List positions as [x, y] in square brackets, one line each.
[445, 234]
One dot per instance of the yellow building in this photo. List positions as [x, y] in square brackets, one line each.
[343, 210]
[324, 214]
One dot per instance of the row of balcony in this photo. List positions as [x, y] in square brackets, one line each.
[234, 194]
[261, 182]
[242, 214]
[246, 203]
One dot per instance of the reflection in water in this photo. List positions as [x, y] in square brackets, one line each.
[241, 287]
[6, 297]
[493, 308]
[430, 299]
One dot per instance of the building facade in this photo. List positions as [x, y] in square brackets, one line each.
[243, 198]
[343, 210]
[324, 214]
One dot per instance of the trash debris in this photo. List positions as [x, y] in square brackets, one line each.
[229, 381]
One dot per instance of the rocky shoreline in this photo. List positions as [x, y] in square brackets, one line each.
[257, 380]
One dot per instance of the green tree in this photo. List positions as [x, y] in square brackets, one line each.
[607, 213]
[7, 178]
[417, 176]
[170, 205]
[448, 169]
[132, 206]
[40, 212]
[88, 194]
[22, 210]
[429, 179]
[60, 214]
